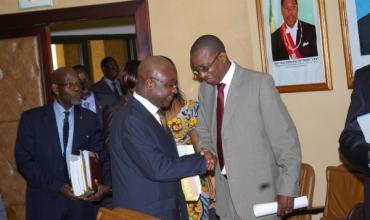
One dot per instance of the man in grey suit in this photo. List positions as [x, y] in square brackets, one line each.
[252, 134]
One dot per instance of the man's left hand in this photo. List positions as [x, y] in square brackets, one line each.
[101, 192]
[285, 205]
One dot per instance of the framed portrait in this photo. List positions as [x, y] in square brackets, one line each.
[294, 44]
[355, 22]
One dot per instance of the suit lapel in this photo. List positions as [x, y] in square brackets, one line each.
[149, 118]
[51, 128]
[233, 96]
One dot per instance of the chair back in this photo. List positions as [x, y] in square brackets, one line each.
[306, 188]
[345, 188]
[357, 212]
[122, 214]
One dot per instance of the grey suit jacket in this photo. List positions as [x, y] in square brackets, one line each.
[260, 142]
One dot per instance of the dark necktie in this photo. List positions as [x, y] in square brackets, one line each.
[65, 131]
[220, 115]
[115, 90]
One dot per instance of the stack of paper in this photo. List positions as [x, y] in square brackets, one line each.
[81, 173]
[191, 186]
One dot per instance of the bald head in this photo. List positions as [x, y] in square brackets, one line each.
[157, 80]
[210, 42]
[66, 87]
[58, 75]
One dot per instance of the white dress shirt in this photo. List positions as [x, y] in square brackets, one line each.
[149, 106]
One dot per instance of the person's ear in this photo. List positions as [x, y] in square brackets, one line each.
[149, 83]
[223, 57]
[54, 89]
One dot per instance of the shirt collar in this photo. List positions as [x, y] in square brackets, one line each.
[59, 109]
[229, 74]
[294, 28]
[147, 104]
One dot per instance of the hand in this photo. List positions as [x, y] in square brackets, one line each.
[211, 159]
[67, 190]
[285, 205]
[102, 190]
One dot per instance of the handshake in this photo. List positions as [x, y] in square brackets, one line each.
[211, 159]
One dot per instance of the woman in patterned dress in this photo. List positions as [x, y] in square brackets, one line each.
[181, 118]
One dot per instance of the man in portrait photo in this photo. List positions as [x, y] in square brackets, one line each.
[294, 39]
[363, 22]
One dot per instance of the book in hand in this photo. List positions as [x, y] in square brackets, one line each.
[84, 169]
[191, 186]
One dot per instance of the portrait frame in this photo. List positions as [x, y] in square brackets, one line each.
[353, 57]
[310, 73]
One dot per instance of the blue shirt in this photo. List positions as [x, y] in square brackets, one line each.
[59, 117]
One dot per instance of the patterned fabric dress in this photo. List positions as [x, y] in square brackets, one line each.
[181, 127]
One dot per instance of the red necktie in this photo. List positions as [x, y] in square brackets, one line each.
[220, 115]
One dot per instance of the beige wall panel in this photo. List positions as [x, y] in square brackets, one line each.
[60, 55]
[176, 26]
[71, 54]
[20, 83]
[117, 50]
[97, 53]
[12, 185]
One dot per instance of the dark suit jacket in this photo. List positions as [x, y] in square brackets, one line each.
[109, 112]
[307, 48]
[146, 168]
[39, 159]
[364, 34]
[352, 142]
[103, 96]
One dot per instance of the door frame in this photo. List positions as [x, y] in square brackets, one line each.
[16, 24]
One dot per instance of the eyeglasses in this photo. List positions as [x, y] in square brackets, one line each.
[166, 84]
[204, 69]
[71, 85]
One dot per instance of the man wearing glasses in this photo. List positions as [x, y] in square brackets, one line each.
[47, 137]
[243, 120]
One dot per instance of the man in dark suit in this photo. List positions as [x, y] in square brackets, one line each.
[94, 101]
[294, 39]
[364, 33]
[353, 145]
[146, 168]
[109, 88]
[47, 137]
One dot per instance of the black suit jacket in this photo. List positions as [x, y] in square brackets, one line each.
[307, 48]
[103, 96]
[39, 159]
[352, 142]
[364, 34]
[146, 168]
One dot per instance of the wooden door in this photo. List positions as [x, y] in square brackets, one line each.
[24, 66]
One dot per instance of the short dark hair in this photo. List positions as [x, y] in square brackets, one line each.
[105, 61]
[129, 74]
[210, 42]
[282, 1]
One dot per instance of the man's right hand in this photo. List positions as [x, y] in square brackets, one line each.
[67, 190]
[211, 159]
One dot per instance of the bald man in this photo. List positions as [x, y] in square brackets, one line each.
[47, 136]
[146, 168]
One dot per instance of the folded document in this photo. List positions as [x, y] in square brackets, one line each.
[271, 207]
[191, 186]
